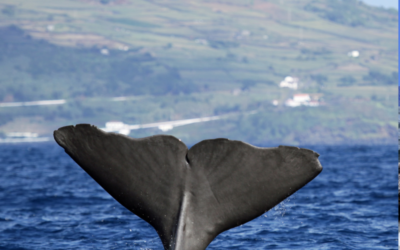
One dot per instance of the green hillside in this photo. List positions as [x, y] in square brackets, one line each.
[180, 60]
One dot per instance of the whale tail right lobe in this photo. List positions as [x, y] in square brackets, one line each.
[189, 196]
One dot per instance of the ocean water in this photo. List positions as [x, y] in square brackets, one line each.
[48, 202]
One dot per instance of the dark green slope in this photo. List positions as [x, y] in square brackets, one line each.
[53, 72]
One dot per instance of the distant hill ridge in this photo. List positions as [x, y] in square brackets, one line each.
[181, 60]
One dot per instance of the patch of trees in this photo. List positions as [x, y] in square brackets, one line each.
[347, 81]
[377, 78]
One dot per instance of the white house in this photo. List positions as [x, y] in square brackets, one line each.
[290, 82]
[353, 53]
[301, 100]
[117, 126]
[104, 52]
[292, 103]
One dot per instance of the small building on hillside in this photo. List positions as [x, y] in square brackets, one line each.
[290, 82]
[117, 126]
[354, 53]
[303, 100]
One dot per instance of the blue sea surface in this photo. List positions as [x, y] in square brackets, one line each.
[48, 202]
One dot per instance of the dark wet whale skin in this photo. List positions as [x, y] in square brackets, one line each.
[189, 196]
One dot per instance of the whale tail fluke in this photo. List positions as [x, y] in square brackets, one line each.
[189, 196]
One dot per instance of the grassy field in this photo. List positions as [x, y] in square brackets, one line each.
[181, 59]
